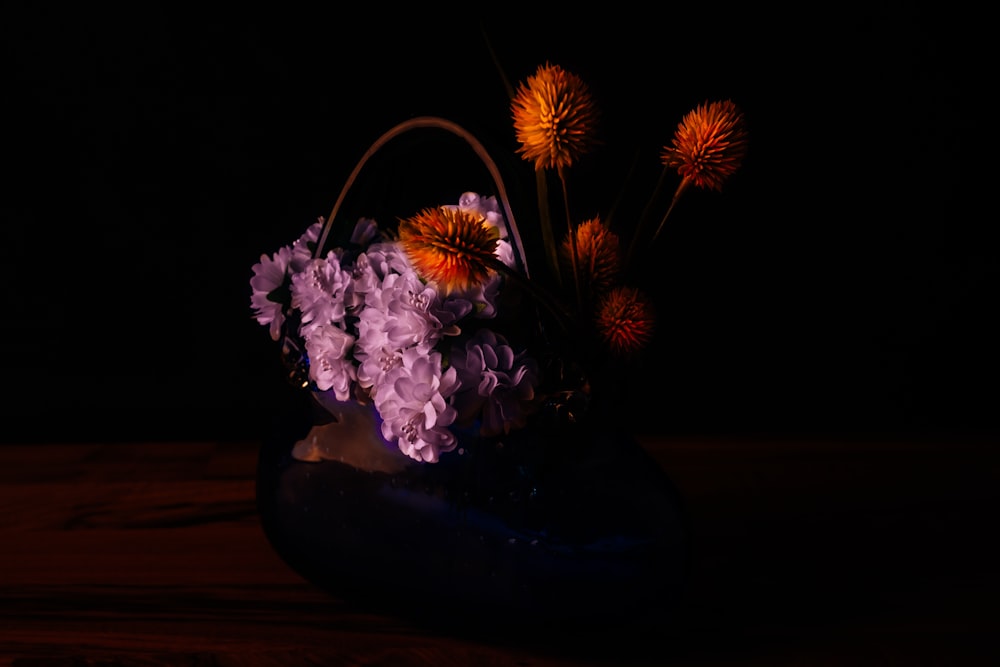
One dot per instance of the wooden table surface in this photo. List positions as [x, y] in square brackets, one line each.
[819, 552]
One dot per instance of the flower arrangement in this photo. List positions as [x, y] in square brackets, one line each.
[435, 320]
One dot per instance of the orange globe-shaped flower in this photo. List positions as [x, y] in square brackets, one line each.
[598, 255]
[625, 320]
[709, 145]
[555, 118]
[450, 247]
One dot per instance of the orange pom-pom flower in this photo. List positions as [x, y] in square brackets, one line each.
[625, 320]
[709, 145]
[555, 118]
[450, 247]
[598, 255]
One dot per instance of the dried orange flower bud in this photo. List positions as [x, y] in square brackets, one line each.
[450, 247]
[555, 118]
[709, 144]
[625, 320]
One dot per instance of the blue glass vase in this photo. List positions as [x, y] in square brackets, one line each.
[554, 524]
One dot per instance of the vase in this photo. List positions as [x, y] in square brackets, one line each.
[552, 524]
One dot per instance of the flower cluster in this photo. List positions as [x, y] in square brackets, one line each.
[435, 322]
[373, 327]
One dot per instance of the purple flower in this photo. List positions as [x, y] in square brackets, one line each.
[412, 401]
[387, 258]
[302, 248]
[364, 232]
[496, 383]
[268, 275]
[405, 309]
[367, 321]
[318, 292]
[329, 365]
[397, 316]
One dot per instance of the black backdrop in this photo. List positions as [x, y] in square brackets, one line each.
[843, 283]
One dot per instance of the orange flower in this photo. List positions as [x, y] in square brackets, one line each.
[709, 145]
[450, 247]
[625, 320]
[554, 118]
[597, 254]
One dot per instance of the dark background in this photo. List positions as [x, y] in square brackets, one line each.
[844, 282]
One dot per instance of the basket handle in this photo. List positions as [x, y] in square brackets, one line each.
[454, 128]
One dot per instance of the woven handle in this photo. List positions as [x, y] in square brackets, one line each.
[481, 152]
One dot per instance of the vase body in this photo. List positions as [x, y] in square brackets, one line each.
[569, 524]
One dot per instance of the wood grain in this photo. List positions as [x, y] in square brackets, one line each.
[818, 553]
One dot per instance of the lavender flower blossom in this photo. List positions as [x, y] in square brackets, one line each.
[496, 383]
[302, 248]
[268, 275]
[318, 292]
[329, 366]
[412, 403]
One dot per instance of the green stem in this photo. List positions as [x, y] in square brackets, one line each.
[541, 296]
[545, 222]
[571, 230]
[644, 216]
[673, 202]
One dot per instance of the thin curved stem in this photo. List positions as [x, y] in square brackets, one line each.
[673, 202]
[571, 231]
[496, 62]
[644, 216]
